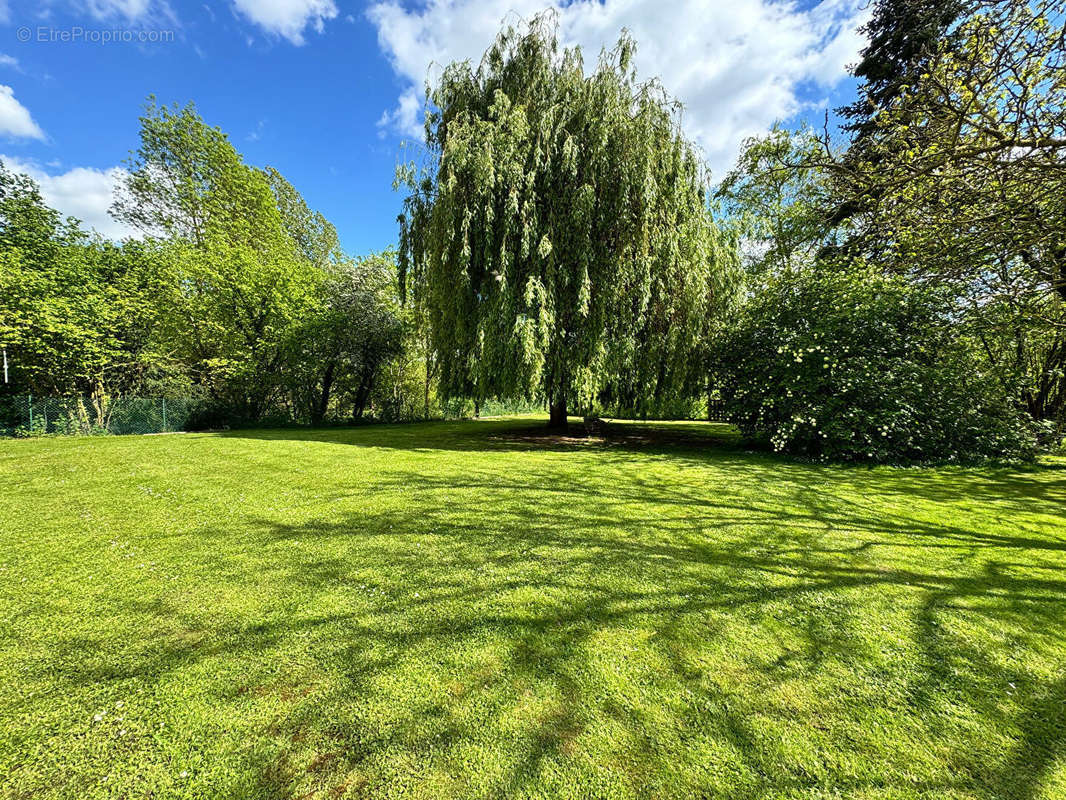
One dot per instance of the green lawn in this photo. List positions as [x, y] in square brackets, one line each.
[473, 610]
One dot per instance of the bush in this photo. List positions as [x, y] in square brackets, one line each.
[857, 366]
[1051, 437]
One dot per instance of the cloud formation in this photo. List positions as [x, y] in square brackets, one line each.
[132, 12]
[737, 65]
[82, 192]
[15, 119]
[288, 18]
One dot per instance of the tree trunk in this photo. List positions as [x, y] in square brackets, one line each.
[426, 396]
[366, 385]
[318, 410]
[557, 418]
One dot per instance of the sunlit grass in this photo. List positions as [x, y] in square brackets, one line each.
[475, 610]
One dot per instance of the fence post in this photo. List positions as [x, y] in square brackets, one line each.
[164, 415]
[29, 403]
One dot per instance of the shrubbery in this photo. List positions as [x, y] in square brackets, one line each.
[857, 366]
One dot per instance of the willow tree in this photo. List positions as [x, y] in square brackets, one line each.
[559, 236]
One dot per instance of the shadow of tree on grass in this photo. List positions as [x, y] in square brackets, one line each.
[639, 632]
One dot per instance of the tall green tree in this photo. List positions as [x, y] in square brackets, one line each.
[559, 237]
[973, 154]
[778, 210]
[903, 37]
[338, 351]
[314, 237]
[964, 183]
[77, 314]
[240, 281]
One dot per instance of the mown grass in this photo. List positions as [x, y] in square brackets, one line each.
[472, 610]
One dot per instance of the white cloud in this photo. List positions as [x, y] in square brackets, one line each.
[8, 61]
[15, 118]
[132, 11]
[737, 65]
[406, 117]
[82, 192]
[288, 18]
[257, 132]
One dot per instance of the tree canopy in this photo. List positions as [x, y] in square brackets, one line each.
[238, 295]
[560, 235]
[562, 242]
[76, 312]
[779, 212]
[965, 184]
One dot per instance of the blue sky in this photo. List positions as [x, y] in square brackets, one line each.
[326, 90]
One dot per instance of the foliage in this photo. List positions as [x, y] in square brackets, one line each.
[560, 239]
[1019, 331]
[342, 345]
[76, 313]
[266, 306]
[969, 167]
[239, 296]
[313, 236]
[187, 181]
[857, 366]
[465, 408]
[953, 179]
[238, 280]
[959, 178]
[901, 37]
[779, 212]
[479, 610]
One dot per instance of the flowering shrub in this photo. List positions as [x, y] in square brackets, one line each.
[857, 366]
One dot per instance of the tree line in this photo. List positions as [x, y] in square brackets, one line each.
[238, 293]
[890, 291]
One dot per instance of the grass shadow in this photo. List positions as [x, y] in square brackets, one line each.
[632, 617]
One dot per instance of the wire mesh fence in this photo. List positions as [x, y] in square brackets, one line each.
[86, 416]
[28, 415]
